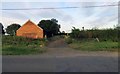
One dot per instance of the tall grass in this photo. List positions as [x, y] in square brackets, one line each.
[13, 45]
[14, 40]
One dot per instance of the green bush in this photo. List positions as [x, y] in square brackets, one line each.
[102, 34]
[14, 40]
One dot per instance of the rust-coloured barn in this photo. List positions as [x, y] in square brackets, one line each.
[30, 30]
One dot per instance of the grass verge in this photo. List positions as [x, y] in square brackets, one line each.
[21, 50]
[13, 45]
[92, 45]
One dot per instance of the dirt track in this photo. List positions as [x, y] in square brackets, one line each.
[59, 48]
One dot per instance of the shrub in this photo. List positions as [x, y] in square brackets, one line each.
[102, 34]
[14, 40]
[69, 40]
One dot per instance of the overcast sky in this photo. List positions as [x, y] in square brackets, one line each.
[100, 17]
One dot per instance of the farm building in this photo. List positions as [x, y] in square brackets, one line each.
[30, 30]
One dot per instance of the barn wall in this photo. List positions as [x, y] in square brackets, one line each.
[30, 30]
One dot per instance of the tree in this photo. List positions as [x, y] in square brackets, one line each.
[75, 33]
[50, 27]
[83, 28]
[1, 29]
[11, 29]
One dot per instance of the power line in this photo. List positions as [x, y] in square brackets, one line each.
[42, 8]
[62, 7]
[102, 6]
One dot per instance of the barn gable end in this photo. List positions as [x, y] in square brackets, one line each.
[30, 30]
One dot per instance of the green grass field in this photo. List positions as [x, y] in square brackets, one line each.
[13, 45]
[92, 45]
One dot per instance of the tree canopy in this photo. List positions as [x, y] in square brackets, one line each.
[1, 29]
[50, 27]
[75, 33]
[11, 29]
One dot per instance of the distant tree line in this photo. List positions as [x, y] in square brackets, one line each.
[102, 34]
[50, 28]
